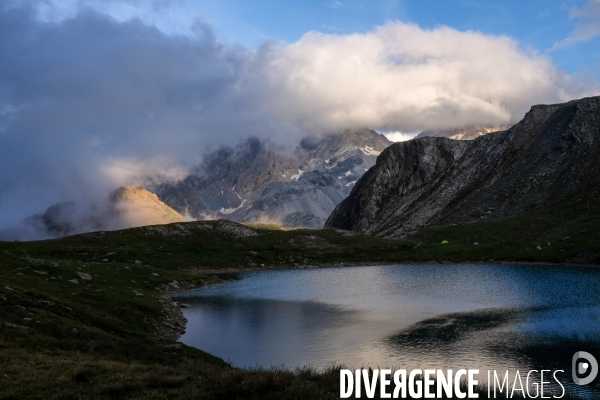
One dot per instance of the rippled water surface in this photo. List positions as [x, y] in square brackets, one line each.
[503, 317]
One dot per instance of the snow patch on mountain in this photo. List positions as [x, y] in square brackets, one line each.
[368, 150]
[227, 211]
[297, 176]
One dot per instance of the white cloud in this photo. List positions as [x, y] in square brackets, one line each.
[402, 77]
[132, 171]
[400, 136]
[588, 24]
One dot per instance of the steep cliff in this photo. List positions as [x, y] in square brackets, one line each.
[551, 154]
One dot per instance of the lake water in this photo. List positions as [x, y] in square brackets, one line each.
[442, 316]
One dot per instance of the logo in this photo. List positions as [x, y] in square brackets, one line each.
[580, 367]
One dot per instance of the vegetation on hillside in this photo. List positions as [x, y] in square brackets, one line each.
[63, 335]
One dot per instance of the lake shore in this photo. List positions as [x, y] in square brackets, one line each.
[106, 336]
[515, 295]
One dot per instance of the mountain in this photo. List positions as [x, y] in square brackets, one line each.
[252, 182]
[229, 179]
[126, 207]
[135, 206]
[550, 155]
[469, 132]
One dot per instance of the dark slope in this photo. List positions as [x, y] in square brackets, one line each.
[553, 153]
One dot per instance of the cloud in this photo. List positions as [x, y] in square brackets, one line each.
[335, 4]
[588, 24]
[400, 136]
[89, 102]
[130, 171]
[402, 77]
[78, 93]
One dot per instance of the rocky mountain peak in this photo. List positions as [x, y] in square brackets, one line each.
[135, 206]
[254, 182]
[552, 153]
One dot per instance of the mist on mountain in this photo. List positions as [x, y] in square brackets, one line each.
[89, 104]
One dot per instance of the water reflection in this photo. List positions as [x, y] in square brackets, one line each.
[251, 332]
[499, 317]
[450, 328]
[493, 339]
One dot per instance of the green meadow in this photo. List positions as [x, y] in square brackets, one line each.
[114, 335]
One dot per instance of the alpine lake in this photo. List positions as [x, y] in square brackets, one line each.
[502, 317]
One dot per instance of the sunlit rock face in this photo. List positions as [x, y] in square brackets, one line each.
[126, 207]
[253, 182]
[135, 206]
[550, 155]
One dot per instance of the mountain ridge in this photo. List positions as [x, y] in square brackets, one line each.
[438, 181]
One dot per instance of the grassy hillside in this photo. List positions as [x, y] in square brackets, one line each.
[568, 232]
[113, 335]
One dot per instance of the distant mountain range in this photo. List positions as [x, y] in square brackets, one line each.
[253, 182]
[552, 154]
[250, 182]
